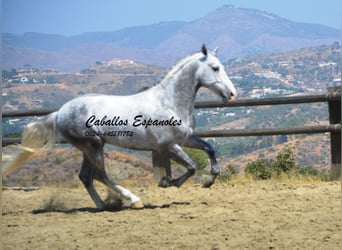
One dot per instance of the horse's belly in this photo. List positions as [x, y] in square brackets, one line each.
[131, 142]
[145, 139]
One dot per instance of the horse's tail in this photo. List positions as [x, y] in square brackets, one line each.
[38, 136]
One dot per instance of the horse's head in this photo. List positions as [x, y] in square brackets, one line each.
[211, 74]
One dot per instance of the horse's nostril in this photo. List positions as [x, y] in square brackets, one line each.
[232, 96]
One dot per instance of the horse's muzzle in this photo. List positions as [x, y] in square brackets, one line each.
[231, 97]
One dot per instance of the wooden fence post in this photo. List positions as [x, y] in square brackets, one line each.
[335, 137]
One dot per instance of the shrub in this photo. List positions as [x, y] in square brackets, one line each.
[261, 169]
[284, 165]
[285, 161]
[228, 173]
[198, 156]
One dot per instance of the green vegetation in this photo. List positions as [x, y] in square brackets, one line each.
[198, 156]
[260, 169]
[228, 174]
[284, 165]
[282, 168]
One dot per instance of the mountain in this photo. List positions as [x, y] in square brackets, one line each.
[134, 37]
[237, 31]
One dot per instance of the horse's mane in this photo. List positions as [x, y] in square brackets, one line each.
[172, 70]
[178, 65]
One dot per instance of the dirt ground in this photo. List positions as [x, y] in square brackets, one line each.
[259, 215]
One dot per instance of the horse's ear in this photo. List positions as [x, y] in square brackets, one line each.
[204, 50]
[216, 50]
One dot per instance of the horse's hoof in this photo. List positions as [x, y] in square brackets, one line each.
[165, 182]
[137, 205]
[207, 180]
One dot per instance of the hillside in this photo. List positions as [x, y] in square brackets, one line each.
[51, 89]
[237, 31]
[304, 70]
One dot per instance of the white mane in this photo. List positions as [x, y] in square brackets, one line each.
[179, 65]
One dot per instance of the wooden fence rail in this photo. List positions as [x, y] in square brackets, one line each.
[243, 102]
[333, 97]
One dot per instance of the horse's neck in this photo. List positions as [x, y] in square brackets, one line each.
[180, 88]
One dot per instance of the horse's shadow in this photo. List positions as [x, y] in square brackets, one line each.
[108, 209]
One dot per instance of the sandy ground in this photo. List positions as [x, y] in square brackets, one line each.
[261, 215]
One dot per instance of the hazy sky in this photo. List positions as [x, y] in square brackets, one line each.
[70, 17]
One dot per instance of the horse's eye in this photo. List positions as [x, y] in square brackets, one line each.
[216, 68]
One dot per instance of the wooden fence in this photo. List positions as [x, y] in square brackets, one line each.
[333, 97]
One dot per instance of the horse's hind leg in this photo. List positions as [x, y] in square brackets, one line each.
[126, 194]
[161, 167]
[87, 176]
[99, 173]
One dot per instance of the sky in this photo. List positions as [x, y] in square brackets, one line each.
[73, 17]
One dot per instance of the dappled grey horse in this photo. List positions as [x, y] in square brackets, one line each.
[158, 119]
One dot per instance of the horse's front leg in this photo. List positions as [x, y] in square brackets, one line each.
[195, 141]
[177, 153]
